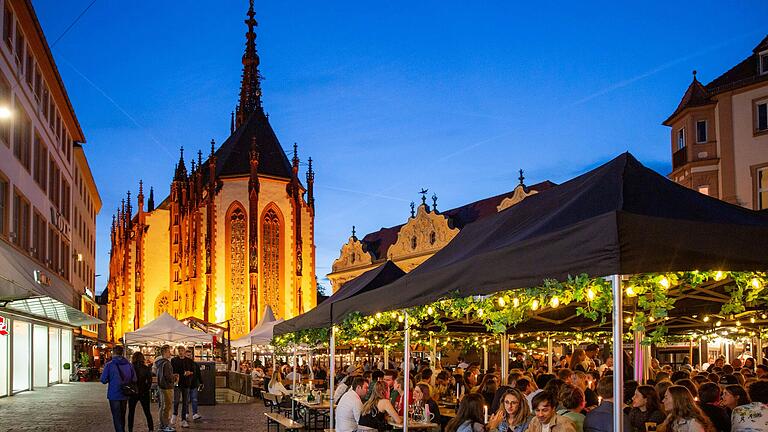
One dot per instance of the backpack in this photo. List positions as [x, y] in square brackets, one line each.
[158, 369]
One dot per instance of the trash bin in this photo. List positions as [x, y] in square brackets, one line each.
[207, 395]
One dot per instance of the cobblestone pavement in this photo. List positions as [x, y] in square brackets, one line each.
[84, 407]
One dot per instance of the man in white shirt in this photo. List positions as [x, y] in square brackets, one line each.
[350, 406]
[291, 375]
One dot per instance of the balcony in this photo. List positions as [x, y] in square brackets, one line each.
[679, 158]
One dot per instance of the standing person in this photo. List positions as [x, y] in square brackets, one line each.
[578, 359]
[195, 384]
[350, 406]
[163, 369]
[184, 369]
[683, 415]
[592, 360]
[646, 409]
[513, 415]
[143, 383]
[117, 372]
[546, 419]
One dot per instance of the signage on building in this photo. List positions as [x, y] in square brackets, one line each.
[88, 292]
[3, 326]
[42, 278]
[59, 222]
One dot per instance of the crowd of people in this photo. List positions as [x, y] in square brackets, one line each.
[129, 383]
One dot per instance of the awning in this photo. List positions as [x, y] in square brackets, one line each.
[21, 277]
[52, 309]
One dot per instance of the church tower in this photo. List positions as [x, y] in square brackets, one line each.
[234, 235]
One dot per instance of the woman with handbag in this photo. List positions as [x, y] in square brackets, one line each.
[143, 384]
[121, 379]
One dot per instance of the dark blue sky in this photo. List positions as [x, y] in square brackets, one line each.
[389, 97]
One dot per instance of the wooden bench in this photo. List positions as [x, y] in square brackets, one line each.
[281, 420]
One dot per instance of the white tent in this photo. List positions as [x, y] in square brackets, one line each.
[261, 334]
[166, 329]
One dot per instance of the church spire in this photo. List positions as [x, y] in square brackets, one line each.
[250, 88]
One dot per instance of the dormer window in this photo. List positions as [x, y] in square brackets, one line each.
[763, 62]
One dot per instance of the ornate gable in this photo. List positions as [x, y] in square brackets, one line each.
[518, 195]
[425, 233]
[352, 255]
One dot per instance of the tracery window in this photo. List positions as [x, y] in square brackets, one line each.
[237, 266]
[270, 252]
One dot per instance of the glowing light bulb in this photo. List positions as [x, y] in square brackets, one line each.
[534, 304]
[706, 318]
[590, 294]
[502, 302]
[627, 320]
[430, 311]
[515, 302]
[479, 312]
[719, 323]
[752, 320]
[555, 302]
[630, 291]
[763, 316]
[756, 284]
[738, 323]
[664, 282]
[719, 275]
[400, 318]
[378, 315]
[651, 319]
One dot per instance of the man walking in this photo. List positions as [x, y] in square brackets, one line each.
[183, 369]
[163, 369]
[196, 383]
[117, 372]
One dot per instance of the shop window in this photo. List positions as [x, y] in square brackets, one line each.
[22, 355]
[54, 355]
[40, 348]
[4, 348]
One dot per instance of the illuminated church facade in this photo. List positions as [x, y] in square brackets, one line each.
[234, 235]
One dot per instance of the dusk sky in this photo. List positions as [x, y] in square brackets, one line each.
[392, 96]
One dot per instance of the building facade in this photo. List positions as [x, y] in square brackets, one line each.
[719, 134]
[426, 231]
[47, 225]
[234, 234]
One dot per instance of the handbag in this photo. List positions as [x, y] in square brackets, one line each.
[130, 389]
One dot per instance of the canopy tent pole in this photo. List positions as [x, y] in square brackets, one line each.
[618, 357]
[386, 357]
[759, 354]
[504, 358]
[432, 352]
[332, 377]
[550, 353]
[690, 350]
[639, 358]
[293, 386]
[485, 358]
[406, 371]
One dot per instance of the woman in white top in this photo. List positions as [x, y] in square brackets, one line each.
[276, 385]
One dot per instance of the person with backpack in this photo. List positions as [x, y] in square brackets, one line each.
[121, 378]
[195, 385]
[164, 371]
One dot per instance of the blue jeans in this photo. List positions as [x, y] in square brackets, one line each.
[193, 399]
[117, 407]
[183, 394]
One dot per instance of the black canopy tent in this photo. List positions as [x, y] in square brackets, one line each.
[321, 316]
[620, 218]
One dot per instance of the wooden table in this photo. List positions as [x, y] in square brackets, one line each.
[447, 412]
[416, 425]
[312, 411]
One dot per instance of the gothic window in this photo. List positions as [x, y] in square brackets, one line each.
[270, 252]
[236, 265]
[162, 305]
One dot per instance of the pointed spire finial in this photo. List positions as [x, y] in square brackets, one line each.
[521, 178]
[250, 88]
[295, 155]
[354, 233]
[694, 74]
[423, 193]
[413, 209]
[151, 201]
[199, 158]
[213, 145]
[434, 202]
[141, 187]
[232, 122]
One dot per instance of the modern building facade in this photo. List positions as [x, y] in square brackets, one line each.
[48, 207]
[234, 234]
[719, 134]
[426, 231]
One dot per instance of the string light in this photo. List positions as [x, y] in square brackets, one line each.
[535, 304]
[719, 323]
[430, 311]
[590, 294]
[378, 315]
[706, 318]
[719, 275]
[738, 323]
[501, 302]
[664, 282]
[555, 302]
[631, 291]
[479, 312]
[515, 302]
[752, 320]
[756, 284]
